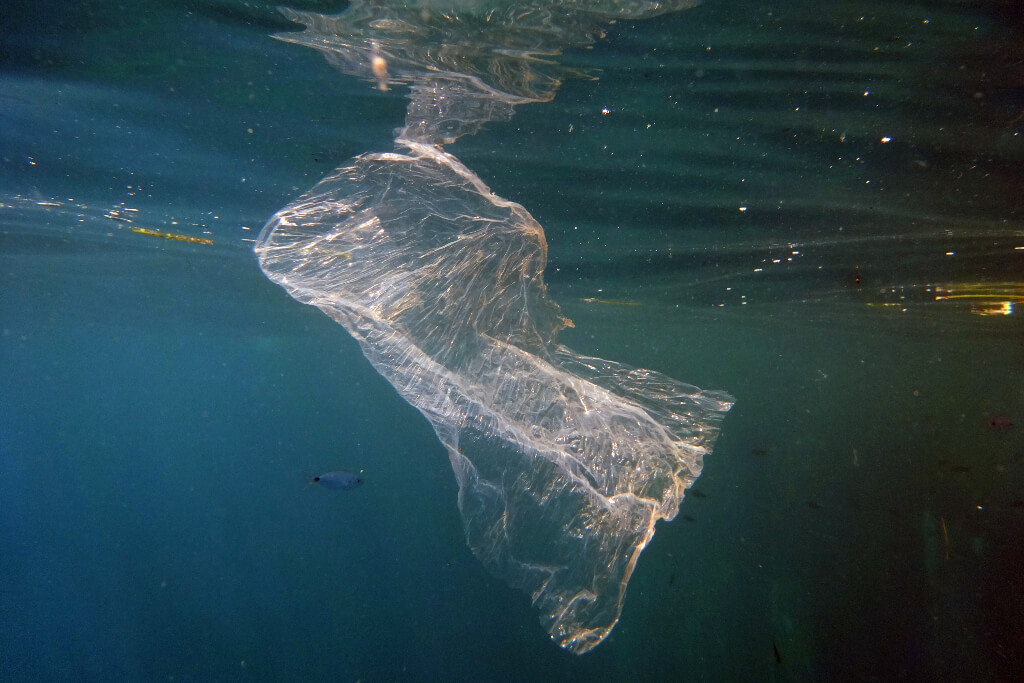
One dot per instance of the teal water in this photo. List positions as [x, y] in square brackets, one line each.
[163, 403]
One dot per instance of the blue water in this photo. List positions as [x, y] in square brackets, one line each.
[163, 404]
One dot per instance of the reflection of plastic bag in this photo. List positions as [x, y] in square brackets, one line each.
[564, 462]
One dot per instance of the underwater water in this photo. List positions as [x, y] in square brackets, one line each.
[815, 210]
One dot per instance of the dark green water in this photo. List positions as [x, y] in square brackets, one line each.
[162, 403]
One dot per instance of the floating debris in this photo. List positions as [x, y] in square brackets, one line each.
[1001, 422]
[172, 236]
[610, 302]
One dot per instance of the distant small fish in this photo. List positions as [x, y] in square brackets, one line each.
[814, 505]
[760, 452]
[778, 656]
[338, 480]
[697, 494]
[688, 518]
[671, 579]
[1017, 504]
[962, 469]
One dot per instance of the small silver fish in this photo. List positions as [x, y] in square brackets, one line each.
[338, 480]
